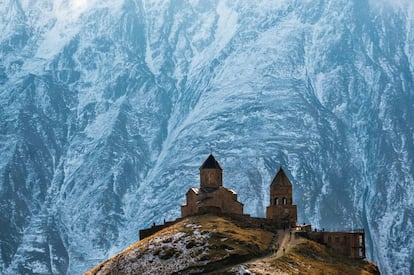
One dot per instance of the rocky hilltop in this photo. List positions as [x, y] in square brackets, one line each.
[216, 245]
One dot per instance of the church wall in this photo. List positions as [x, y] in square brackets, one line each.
[223, 199]
[191, 207]
[229, 203]
[219, 201]
[155, 228]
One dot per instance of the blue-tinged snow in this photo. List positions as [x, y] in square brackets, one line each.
[109, 107]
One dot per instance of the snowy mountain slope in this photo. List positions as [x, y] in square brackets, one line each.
[108, 108]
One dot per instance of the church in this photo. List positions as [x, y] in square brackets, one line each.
[212, 197]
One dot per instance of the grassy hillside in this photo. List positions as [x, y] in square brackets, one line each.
[307, 257]
[214, 245]
[197, 244]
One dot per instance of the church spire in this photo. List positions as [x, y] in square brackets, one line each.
[281, 178]
[210, 163]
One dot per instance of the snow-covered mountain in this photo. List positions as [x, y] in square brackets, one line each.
[109, 107]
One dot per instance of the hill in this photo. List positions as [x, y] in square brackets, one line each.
[217, 245]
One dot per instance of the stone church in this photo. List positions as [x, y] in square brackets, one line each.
[211, 196]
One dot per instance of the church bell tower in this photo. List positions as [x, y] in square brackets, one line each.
[281, 209]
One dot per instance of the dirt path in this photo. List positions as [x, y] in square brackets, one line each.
[263, 265]
[286, 240]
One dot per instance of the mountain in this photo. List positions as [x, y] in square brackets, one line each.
[109, 107]
[216, 245]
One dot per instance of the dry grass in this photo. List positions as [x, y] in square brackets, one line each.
[227, 236]
[312, 258]
[221, 243]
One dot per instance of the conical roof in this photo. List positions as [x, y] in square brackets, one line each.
[281, 178]
[210, 163]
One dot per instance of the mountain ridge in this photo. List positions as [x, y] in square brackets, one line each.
[108, 108]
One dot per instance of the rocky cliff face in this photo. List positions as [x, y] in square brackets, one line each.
[109, 107]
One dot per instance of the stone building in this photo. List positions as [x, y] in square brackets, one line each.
[351, 244]
[281, 209]
[347, 243]
[211, 196]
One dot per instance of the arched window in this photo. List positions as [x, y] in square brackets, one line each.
[360, 240]
[276, 201]
[284, 201]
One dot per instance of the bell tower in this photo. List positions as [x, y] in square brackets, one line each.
[281, 208]
[211, 174]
